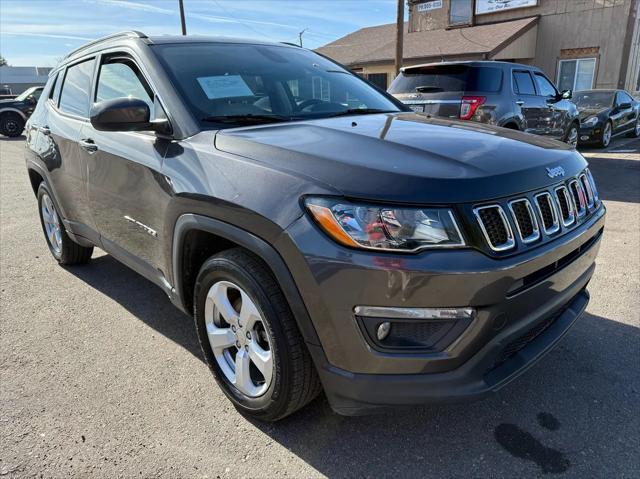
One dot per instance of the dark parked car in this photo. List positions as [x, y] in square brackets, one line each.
[520, 97]
[605, 114]
[15, 112]
[322, 236]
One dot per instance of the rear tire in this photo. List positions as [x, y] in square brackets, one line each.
[228, 283]
[11, 125]
[63, 249]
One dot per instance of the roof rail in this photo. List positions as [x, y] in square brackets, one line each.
[130, 34]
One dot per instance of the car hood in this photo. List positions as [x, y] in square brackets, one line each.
[406, 157]
[585, 113]
[11, 102]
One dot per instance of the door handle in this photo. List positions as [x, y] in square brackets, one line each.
[519, 103]
[45, 130]
[88, 145]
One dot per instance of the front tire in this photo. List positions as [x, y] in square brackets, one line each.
[572, 135]
[64, 249]
[605, 137]
[250, 339]
[11, 125]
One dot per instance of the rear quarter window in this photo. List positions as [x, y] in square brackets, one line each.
[448, 78]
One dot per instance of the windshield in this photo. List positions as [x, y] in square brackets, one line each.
[593, 99]
[228, 84]
[447, 78]
[35, 91]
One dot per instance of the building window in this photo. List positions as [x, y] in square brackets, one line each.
[378, 79]
[460, 12]
[576, 74]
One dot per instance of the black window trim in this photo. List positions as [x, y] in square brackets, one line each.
[66, 67]
[135, 59]
[513, 79]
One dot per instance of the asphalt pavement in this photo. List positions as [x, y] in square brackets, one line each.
[100, 376]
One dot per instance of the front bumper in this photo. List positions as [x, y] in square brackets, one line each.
[358, 377]
[590, 134]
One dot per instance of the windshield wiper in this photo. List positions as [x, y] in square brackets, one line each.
[425, 89]
[247, 119]
[360, 111]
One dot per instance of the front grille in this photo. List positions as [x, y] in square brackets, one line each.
[547, 211]
[578, 197]
[566, 206]
[586, 187]
[495, 227]
[538, 215]
[525, 219]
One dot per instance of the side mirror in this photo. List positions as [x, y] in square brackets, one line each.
[32, 100]
[121, 114]
[624, 106]
[567, 94]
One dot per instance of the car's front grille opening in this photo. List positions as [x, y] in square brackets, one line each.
[495, 227]
[566, 206]
[525, 219]
[578, 197]
[586, 187]
[548, 213]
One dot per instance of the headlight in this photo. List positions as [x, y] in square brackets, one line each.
[591, 121]
[385, 227]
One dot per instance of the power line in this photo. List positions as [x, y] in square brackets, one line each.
[241, 22]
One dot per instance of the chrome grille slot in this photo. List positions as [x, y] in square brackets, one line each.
[578, 198]
[525, 220]
[548, 213]
[592, 183]
[586, 187]
[495, 227]
[566, 206]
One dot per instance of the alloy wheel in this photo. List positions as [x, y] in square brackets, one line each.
[51, 225]
[239, 339]
[606, 135]
[572, 137]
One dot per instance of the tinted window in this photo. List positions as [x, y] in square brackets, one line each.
[121, 78]
[624, 98]
[55, 91]
[523, 83]
[74, 98]
[231, 84]
[446, 78]
[593, 99]
[545, 87]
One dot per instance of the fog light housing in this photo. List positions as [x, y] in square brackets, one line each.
[414, 329]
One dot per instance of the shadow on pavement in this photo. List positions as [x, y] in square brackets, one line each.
[617, 179]
[581, 397]
[16, 138]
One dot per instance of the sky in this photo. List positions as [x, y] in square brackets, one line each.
[40, 32]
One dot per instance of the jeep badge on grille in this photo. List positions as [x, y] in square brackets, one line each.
[557, 171]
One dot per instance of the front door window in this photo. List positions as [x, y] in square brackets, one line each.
[576, 74]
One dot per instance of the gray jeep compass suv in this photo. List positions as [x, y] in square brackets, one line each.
[322, 236]
[511, 95]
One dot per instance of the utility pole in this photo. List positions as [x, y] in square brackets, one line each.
[399, 35]
[182, 19]
[300, 35]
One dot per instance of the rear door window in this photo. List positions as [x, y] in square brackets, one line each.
[55, 91]
[74, 98]
[522, 83]
[448, 78]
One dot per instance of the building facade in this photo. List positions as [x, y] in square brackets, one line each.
[19, 79]
[579, 43]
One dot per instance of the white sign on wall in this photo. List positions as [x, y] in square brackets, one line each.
[431, 5]
[494, 6]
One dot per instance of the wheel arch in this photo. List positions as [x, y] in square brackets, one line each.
[4, 111]
[191, 229]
